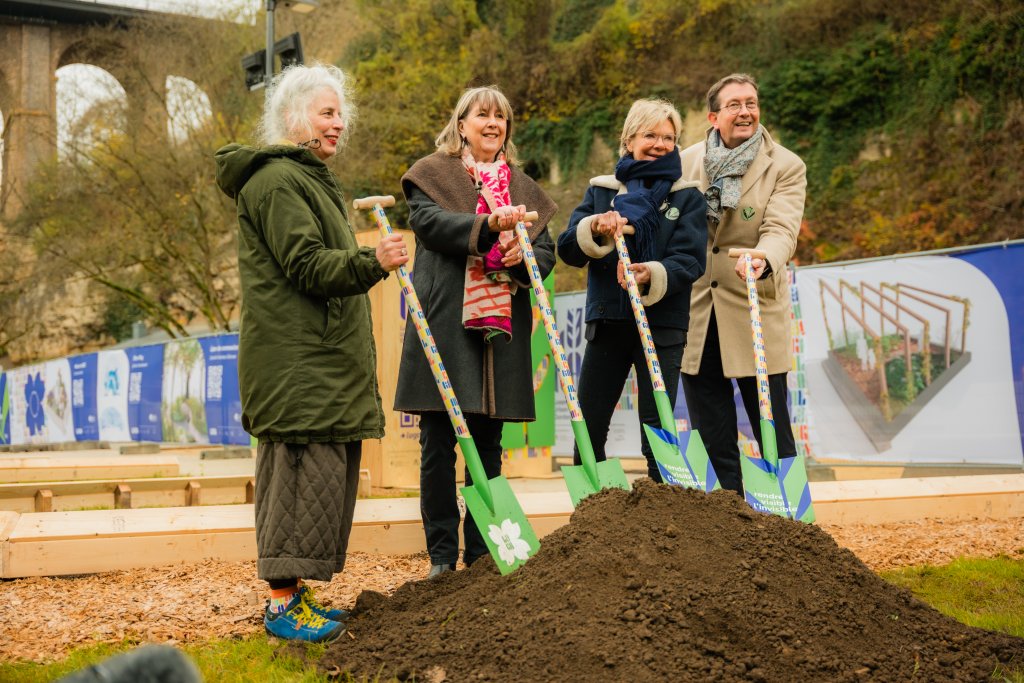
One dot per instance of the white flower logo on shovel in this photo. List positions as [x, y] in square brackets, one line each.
[510, 546]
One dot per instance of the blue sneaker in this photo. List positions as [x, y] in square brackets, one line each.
[299, 622]
[317, 607]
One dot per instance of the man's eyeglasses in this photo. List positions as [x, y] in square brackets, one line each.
[734, 107]
[651, 138]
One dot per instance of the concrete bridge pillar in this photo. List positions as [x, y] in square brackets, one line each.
[30, 115]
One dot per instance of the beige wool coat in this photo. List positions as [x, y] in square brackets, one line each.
[768, 218]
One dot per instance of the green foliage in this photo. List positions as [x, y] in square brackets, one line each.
[567, 140]
[577, 17]
[120, 314]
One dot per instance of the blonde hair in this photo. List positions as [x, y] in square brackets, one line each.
[450, 141]
[292, 92]
[645, 115]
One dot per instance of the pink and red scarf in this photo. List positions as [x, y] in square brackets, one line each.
[487, 294]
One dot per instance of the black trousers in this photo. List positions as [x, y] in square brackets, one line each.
[438, 503]
[712, 407]
[612, 349]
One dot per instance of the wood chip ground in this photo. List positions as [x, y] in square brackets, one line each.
[41, 619]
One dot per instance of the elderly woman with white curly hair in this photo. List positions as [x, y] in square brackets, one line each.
[306, 358]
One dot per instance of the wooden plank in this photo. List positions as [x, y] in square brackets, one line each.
[149, 492]
[8, 520]
[56, 543]
[64, 468]
[896, 500]
[86, 556]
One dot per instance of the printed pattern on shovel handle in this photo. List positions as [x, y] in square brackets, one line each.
[554, 339]
[764, 402]
[653, 367]
[426, 339]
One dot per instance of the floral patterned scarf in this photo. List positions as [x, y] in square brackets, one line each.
[487, 294]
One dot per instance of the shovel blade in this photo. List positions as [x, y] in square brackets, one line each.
[692, 470]
[610, 475]
[779, 487]
[508, 534]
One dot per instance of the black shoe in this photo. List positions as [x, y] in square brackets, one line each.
[438, 569]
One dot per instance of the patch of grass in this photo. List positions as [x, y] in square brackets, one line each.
[220, 661]
[986, 593]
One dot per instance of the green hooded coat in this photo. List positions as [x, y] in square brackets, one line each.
[306, 357]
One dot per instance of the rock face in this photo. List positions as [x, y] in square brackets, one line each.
[59, 321]
[660, 584]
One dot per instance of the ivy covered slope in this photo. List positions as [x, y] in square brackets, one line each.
[910, 116]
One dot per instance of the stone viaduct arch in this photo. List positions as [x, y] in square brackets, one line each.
[37, 37]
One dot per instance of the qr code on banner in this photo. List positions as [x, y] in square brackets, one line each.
[78, 392]
[214, 382]
[135, 387]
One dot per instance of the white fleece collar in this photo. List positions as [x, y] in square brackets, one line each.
[610, 182]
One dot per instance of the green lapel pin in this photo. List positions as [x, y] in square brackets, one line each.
[748, 213]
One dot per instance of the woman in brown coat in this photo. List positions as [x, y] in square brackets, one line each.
[464, 200]
[755, 189]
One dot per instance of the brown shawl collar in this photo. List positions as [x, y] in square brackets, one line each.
[444, 179]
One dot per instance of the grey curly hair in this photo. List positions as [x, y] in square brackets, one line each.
[292, 91]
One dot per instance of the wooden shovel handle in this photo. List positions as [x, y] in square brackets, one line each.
[367, 202]
[754, 253]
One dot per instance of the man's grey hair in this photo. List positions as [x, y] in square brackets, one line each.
[713, 104]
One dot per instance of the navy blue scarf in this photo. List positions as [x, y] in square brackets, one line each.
[647, 186]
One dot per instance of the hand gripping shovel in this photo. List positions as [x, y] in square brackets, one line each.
[496, 511]
[687, 465]
[771, 484]
[592, 476]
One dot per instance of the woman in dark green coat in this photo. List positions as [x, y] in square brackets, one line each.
[306, 360]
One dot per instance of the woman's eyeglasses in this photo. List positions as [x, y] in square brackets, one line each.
[651, 138]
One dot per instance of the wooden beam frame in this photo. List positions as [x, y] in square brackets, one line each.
[59, 543]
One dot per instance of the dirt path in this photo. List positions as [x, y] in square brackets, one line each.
[42, 618]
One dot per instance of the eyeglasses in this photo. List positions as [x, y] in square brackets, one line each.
[650, 137]
[734, 107]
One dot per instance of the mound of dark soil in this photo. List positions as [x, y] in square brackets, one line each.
[660, 584]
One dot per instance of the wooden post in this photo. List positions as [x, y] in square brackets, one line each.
[44, 500]
[192, 493]
[122, 497]
[364, 484]
[250, 492]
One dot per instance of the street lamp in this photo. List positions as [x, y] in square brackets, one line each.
[301, 6]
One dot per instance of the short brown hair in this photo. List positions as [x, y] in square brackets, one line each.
[731, 78]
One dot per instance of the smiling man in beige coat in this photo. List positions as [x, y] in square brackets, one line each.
[755, 189]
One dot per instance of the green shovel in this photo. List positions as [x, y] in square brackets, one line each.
[682, 465]
[496, 511]
[592, 476]
[770, 483]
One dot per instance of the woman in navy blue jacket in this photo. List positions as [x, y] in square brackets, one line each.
[667, 241]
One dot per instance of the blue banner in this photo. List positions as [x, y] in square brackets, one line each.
[1001, 265]
[145, 387]
[83, 397]
[5, 410]
[223, 401]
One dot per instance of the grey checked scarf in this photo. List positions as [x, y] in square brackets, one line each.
[725, 168]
